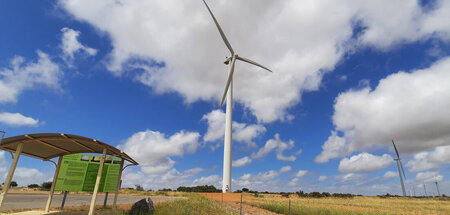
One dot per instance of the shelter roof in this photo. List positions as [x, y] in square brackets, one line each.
[46, 146]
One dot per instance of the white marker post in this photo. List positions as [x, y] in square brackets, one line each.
[12, 168]
[52, 189]
[97, 182]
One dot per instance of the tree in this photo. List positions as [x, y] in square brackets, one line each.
[13, 184]
[244, 189]
[33, 186]
[46, 185]
[139, 187]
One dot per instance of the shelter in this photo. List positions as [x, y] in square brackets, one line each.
[46, 146]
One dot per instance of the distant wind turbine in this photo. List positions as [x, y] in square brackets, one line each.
[228, 93]
[437, 187]
[400, 165]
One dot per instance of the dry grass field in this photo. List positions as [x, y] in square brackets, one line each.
[357, 205]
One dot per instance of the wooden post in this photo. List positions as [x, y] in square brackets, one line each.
[119, 183]
[289, 206]
[240, 210]
[52, 189]
[97, 182]
[12, 168]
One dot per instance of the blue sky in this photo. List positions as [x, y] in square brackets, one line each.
[148, 77]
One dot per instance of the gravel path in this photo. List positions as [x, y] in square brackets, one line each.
[35, 201]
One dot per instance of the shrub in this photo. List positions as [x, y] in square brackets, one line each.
[33, 186]
[13, 184]
[46, 185]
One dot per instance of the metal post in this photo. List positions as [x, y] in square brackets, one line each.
[52, 189]
[106, 200]
[12, 168]
[97, 182]
[119, 183]
[240, 210]
[64, 199]
[289, 206]
[425, 189]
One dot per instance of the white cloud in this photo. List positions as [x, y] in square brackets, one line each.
[279, 146]
[152, 149]
[244, 161]
[365, 162]
[299, 40]
[350, 177]
[214, 180]
[323, 178]
[411, 108]
[390, 174]
[25, 176]
[429, 176]
[241, 131]
[430, 159]
[285, 169]
[17, 119]
[301, 173]
[21, 76]
[70, 44]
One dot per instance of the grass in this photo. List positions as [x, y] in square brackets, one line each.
[193, 204]
[354, 206]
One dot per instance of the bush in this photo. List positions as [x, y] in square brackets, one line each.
[201, 189]
[33, 186]
[13, 184]
[46, 185]
[139, 187]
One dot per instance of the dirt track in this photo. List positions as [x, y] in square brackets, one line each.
[232, 202]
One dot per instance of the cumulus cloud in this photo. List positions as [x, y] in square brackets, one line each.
[258, 180]
[23, 176]
[22, 75]
[301, 173]
[350, 177]
[242, 162]
[279, 146]
[70, 44]
[153, 149]
[429, 176]
[323, 178]
[365, 162]
[430, 159]
[241, 131]
[214, 180]
[390, 174]
[409, 107]
[280, 37]
[17, 119]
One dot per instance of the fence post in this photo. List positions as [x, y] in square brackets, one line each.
[289, 206]
[64, 200]
[240, 210]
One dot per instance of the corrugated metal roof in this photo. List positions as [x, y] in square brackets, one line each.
[46, 146]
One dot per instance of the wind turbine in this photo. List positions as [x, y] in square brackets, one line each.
[228, 93]
[437, 187]
[400, 165]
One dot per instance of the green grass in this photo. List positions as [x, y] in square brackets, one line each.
[195, 204]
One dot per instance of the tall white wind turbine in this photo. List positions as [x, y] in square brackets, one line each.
[228, 93]
[400, 165]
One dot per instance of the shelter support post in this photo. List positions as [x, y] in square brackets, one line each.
[119, 183]
[52, 189]
[10, 175]
[97, 182]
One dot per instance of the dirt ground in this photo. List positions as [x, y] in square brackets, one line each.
[232, 202]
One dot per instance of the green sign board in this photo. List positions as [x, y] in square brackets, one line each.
[78, 173]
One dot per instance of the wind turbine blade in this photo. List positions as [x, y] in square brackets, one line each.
[220, 30]
[230, 78]
[396, 151]
[403, 170]
[253, 62]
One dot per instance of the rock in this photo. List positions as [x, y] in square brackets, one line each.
[143, 206]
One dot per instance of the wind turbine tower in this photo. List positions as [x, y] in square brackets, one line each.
[228, 93]
[437, 188]
[400, 165]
